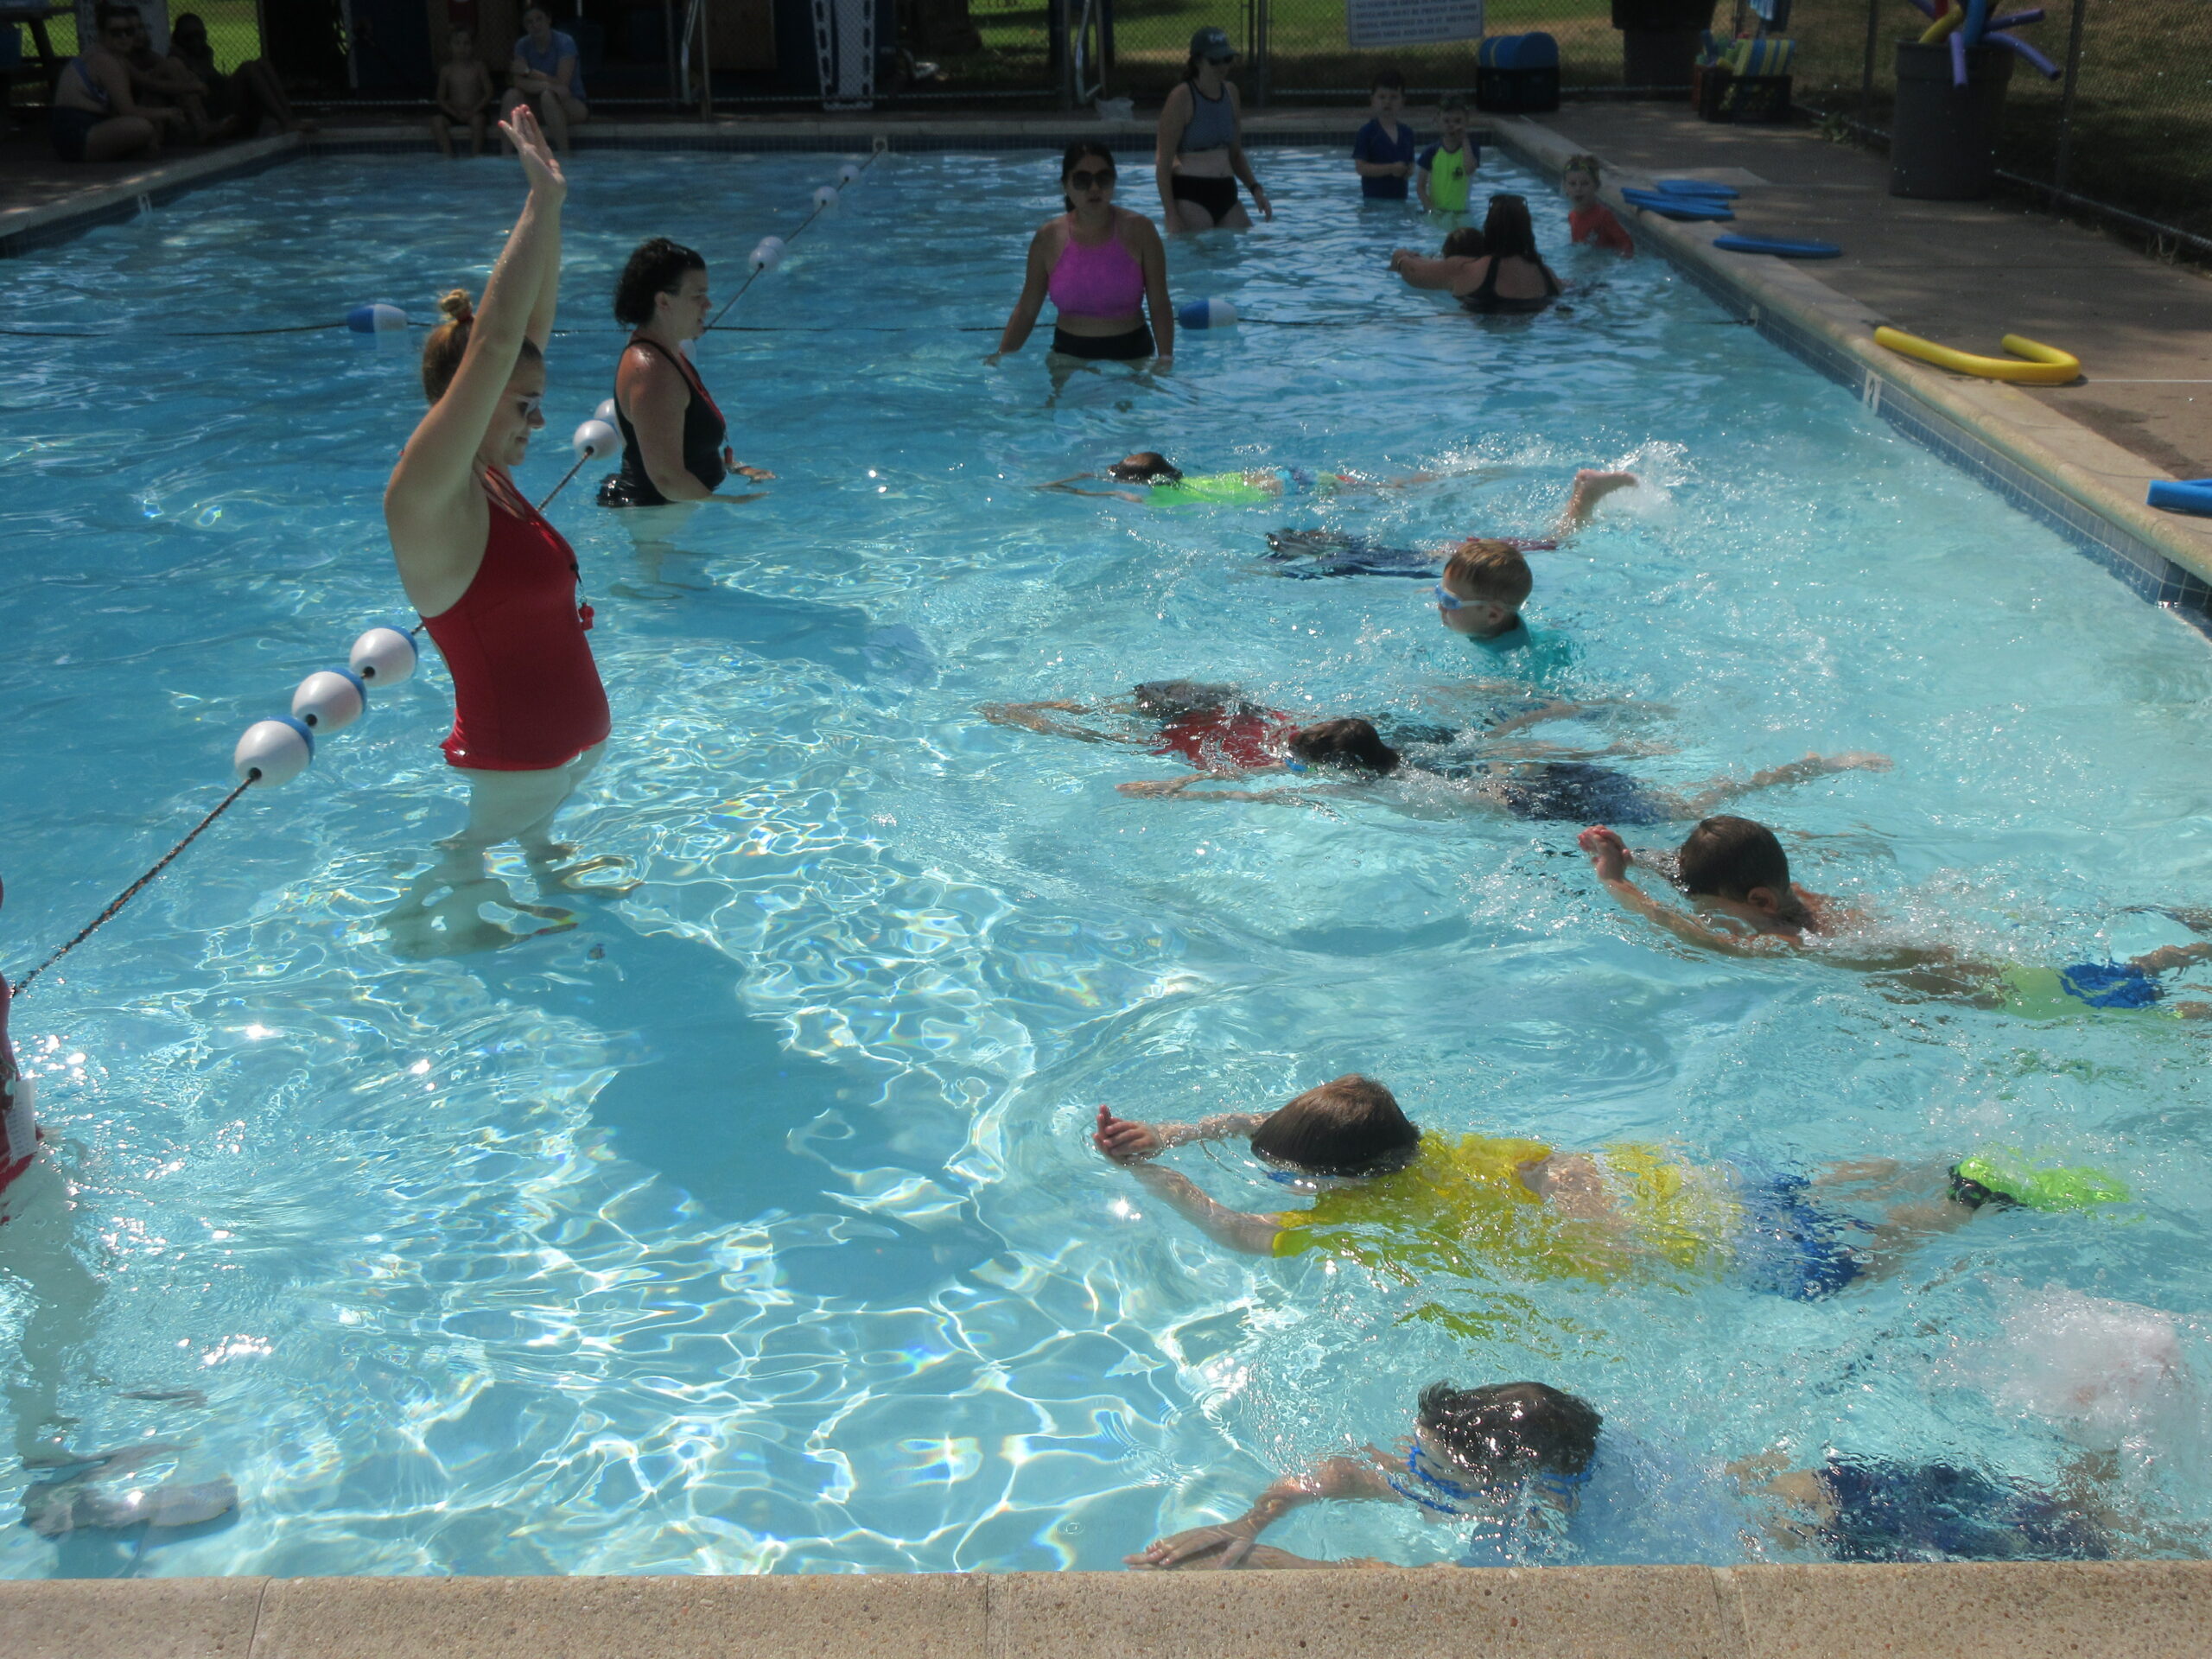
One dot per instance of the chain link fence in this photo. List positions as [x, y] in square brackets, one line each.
[2125, 128]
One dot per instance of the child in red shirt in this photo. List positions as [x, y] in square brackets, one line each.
[1588, 218]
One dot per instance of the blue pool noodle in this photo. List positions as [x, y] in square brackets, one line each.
[2042, 65]
[1958, 57]
[2189, 495]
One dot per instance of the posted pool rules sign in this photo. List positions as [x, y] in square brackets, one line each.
[1412, 23]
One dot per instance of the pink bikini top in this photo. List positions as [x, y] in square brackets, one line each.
[1099, 281]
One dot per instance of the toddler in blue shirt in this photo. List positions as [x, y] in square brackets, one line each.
[1383, 151]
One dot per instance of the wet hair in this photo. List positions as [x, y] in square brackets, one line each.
[1143, 466]
[1344, 746]
[1465, 243]
[1582, 164]
[1725, 857]
[448, 344]
[1350, 1127]
[1452, 104]
[1491, 571]
[1506, 1427]
[1392, 80]
[1080, 151]
[657, 267]
[1508, 231]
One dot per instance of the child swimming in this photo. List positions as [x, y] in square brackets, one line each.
[1164, 485]
[1405, 1204]
[1229, 737]
[1736, 873]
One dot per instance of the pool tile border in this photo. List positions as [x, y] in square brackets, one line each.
[2030, 455]
[2106, 1610]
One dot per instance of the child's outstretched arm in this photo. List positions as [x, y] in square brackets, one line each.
[1797, 772]
[1236, 1229]
[1610, 861]
[1346, 1478]
[1127, 1140]
[1591, 486]
[1067, 487]
[1041, 717]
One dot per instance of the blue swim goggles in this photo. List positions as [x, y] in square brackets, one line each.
[1446, 598]
[1438, 1491]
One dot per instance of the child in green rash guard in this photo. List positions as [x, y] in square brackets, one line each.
[1407, 1205]
[1442, 172]
[1735, 871]
[1164, 485]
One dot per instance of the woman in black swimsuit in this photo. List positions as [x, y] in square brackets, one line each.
[673, 453]
[1513, 278]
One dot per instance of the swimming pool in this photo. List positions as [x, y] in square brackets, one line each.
[748, 1223]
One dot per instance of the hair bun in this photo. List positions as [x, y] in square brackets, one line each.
[457, 306]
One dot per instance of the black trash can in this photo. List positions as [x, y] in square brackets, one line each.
[1943, 138]
[1659, 40]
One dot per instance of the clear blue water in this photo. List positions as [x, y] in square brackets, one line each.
[749, 1223]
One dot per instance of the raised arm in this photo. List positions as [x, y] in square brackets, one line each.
[437, 467]
[1035, 280]
[1337, 1477]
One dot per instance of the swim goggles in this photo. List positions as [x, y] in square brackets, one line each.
[1447, 599]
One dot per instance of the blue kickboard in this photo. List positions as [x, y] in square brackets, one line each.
[1782, 247]
[1698, 187]
[1676, 207]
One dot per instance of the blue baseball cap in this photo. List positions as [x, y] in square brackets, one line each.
[1211, 43]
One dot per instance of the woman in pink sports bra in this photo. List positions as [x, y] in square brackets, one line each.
[1102, 266]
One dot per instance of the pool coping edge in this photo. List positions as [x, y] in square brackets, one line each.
[2123, 1609]
[2075, 481]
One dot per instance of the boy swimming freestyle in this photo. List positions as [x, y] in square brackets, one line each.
[1736, 873]
[1406, 1205]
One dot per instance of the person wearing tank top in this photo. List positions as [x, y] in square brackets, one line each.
[496, 585]
[1102, 266]
[1200, 156]
[674, 456]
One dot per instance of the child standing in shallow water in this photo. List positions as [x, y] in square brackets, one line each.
[1589, 219]
[1383, 151]
[1443, 172]
[465, 94]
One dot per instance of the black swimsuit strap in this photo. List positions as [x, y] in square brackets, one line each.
[691, 379]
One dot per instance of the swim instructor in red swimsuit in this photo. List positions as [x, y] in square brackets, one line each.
[496, 585]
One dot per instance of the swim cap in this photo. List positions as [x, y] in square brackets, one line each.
[2003, 1177]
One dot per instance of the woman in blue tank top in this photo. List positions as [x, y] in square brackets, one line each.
[1201, 155]
[548, 77]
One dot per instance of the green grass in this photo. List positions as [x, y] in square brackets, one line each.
[2142, 136]
[233, 29]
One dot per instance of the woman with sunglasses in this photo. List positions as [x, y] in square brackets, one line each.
[495, 584]
[1512, 278]
[94, 117]
[1102, 266]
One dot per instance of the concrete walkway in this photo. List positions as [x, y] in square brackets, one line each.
[2095, 1611]
[1959, 273]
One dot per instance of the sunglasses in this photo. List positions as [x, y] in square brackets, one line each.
[1083, 179]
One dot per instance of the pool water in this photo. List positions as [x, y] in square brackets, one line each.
[746, 1220]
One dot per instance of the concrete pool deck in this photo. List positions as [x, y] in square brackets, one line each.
[2148, 1610]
